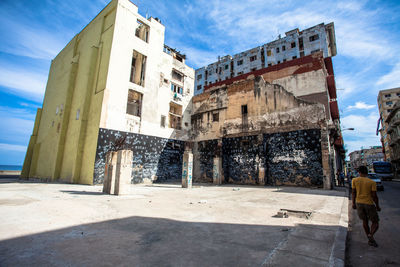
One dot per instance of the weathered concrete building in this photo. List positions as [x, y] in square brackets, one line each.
[393, 130]
[277, 125]
[295, 44]
[117, 86]
[386, 101]
[365, 157]
[114, 85]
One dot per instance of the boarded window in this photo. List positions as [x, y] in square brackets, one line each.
[138, 68]
[175, 116]
[134, 103]
[314, 38]
[162, 124]
[142, 31]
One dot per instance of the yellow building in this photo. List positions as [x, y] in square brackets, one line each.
[115, 76]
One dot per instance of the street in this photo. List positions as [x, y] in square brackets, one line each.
[388, 252]
[166, 225]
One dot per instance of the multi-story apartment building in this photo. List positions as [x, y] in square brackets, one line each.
[295, 44]
[393, 130]
[386, 101]
[365, 157]
[116, 84]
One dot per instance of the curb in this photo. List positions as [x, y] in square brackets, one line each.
[338, 252]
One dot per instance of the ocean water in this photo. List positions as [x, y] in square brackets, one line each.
[10, 167]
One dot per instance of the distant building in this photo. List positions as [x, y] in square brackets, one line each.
[393, 130]
[115, 85]
[386, 101]
[295, 44]
[365, 157]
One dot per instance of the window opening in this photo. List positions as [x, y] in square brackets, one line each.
[138, 68]
[134, 103]
[142, 31]
[293, 45]
[175, 115]
[240, 62]
[314, 38]
[253, 58]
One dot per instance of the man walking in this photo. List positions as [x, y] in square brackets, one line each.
[363, 197]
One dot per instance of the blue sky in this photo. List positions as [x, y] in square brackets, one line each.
[367, 37]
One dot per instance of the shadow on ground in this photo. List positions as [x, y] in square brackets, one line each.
[143, 241]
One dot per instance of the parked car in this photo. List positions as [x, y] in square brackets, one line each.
[377, 180]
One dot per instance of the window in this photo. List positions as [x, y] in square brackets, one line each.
[240, 73]
[389, 102]
[269, 53]
[240, 62]
[269, 64]
[138, 68]
[177, 75]
[283, 48]
[253, 69]
[244, 109]
[294, 57]
[301, 44]
[293, 45]
[215, 116]
[388, 95]
[284, 60]
[199, 77]
[134, 103]
[198, 87]
[252, 58]
[389, 110]
[277, 50]
[175, 115]
[226, 66]
[162, 124]
[176, 89]
[279, 61]
[142, 31]
[398, 94]
[314, 38]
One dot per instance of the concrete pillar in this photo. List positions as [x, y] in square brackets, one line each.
[118, 172]
[123, 174]
[261, 175]
[217, 171]
[109, 172]
[326, 166]
[187, 169]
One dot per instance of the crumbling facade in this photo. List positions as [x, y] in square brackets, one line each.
[278, 125]
[393, 130]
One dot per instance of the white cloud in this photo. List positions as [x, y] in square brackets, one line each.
[361, 105]
[26, 83]
[11, 147]
[391, 79]
[364, 133]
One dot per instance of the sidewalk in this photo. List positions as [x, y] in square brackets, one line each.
[158, 225]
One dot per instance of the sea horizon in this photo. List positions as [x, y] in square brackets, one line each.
[10, 167]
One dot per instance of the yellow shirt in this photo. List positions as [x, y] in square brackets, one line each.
[364, 186]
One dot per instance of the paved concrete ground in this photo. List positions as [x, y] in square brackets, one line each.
[388, 252]
[165, 225]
